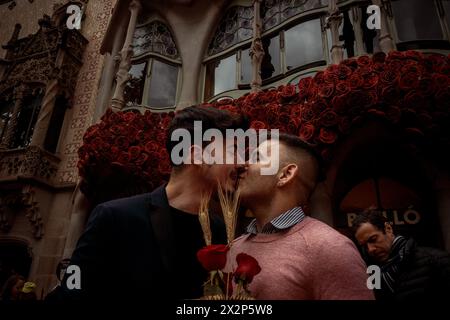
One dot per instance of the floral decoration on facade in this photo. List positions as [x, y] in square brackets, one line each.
[408, 89]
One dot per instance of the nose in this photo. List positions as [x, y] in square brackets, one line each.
[371, 249]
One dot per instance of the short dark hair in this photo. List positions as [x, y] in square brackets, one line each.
[371, 215]
[211, 118]
[295, 142]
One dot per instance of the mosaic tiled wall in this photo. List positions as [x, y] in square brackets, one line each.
[98, 14]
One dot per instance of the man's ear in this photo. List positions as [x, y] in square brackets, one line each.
[286, 174]
[388, 228]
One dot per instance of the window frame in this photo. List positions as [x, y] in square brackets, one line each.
[443, 43]
[148, 59]
[238, 48]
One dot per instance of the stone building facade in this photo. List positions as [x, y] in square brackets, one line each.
[166, 55]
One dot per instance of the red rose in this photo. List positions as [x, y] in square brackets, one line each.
[394, 55]
[328, 118]
[363, 99]
[343, 72]
[304, 85]
[409, 80]
[292, 127]
[415, 55]
[128, 116]
[287, 91]
[389, 94]
[257, 125]
[389, 77]
[355, 81]
[326, 90]
[307, 131]
[370, 79]
[342, 88]
[364, 61]
[344, 125]
[351, 63]
[319, 77]
[134, 152]
[379, 57]
[213, 257]
[123, 158]
[327, 136]
[296, 112]
[247, 268]
[339, 104]
[416, 100]
[440, 81]
[151, 146]
[426, 86]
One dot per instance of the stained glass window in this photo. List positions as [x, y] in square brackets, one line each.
[155, 37]
[235, 26]
[275, 12]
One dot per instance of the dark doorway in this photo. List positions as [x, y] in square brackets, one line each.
[15, 258]
[385, 176]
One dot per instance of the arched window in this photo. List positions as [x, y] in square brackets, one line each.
[6, 111]
[293, 39]
[235, 26]
[155, 71]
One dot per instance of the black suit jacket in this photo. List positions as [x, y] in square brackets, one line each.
[127, 250]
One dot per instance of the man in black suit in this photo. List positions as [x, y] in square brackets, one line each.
[145, 246]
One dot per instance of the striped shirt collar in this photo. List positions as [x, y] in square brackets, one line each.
[283, 221]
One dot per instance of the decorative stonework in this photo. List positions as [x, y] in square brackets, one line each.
[32, 163]
[98, 13]
[32, 212]
[21, 201]
[256, 50]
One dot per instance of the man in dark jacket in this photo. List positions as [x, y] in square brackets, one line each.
[408, 271]
[145, 246]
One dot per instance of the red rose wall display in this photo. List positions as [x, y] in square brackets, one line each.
[407, 89]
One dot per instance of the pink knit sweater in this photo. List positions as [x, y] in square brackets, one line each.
[308, 261]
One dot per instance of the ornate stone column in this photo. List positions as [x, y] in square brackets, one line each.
[106, 83]
[122, 75]
[386, 42]
[334, 20]
[19, 95]
[47, 106]
[256, 50]
[357, 16]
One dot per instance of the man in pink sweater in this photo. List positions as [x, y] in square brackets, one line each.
[300, 257]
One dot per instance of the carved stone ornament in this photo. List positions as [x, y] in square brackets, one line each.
[21, 201]
[32, 162]
[33, 58]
